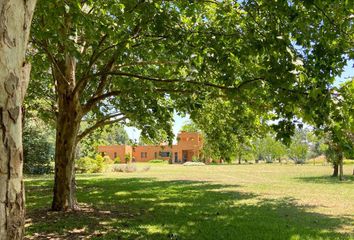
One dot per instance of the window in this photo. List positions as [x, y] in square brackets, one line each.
[143, 154]
[115, 155]
[155, 155]
[102, 154]
[164, 154]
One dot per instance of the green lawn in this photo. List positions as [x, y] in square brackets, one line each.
[207, 202]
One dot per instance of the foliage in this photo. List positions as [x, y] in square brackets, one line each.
[91, 165]
[299, 147]
[38, 147]
[108, 135]
[131, 56]
[195, 159]
[190, 126]
[332, 155]
[108, 160]
[158, 161]
[117, 160]
[339, 128]
[268, 149]
[128, 157]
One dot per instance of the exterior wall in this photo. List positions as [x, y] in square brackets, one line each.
[147, 153]
[189, 145]
[114, 151]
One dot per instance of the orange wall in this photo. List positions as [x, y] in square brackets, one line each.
[116, 150]
[189, 145]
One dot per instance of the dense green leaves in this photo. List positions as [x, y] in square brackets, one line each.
[38, 147]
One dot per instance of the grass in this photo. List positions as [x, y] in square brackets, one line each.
[265, 201]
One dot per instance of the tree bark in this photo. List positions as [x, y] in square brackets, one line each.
[335, 170]
[340, 163]
[15, 22]
[68, 124]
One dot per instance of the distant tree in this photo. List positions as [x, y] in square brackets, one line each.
[269, 149]
[190, 126]
[299, 147]
[107, 135]
[38, 147]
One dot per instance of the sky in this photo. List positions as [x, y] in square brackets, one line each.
[179, 121]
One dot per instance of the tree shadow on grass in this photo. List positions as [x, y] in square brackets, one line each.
[144, 208]
[327, 179]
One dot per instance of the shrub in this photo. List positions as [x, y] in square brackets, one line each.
[117, 160]
[348, 161]
[108, 160]
[99, 164]
[127, 158]
[91, 165]
[85, 164]
[158, 161]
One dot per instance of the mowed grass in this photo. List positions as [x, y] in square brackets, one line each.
[205, 202]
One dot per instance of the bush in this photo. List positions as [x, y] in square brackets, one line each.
[91, 165]
[195, 159]
[108, 160]
[85, 164]
[127, 158]
[117, 160]
[158, 161]
[348, 161]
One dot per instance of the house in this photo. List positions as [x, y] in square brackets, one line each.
[188, 147]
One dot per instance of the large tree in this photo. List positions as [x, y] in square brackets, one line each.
[137, 61]
[15, 22]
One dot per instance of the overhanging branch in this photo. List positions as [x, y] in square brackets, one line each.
[100, 123]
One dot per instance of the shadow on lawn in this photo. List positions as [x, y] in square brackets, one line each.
[141, 208]
[327, 179]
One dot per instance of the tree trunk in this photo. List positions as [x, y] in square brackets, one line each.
[335, 170]
[68, 125]
[15, 22]
[340, 163]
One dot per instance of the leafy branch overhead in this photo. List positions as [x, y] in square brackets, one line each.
[128, 52]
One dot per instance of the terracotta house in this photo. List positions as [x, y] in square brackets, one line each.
[189, 145]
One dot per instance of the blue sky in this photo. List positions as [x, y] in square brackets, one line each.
[179, 121]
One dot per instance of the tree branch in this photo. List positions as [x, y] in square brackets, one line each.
[163, 80]
[105, 121]
[91, 102]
